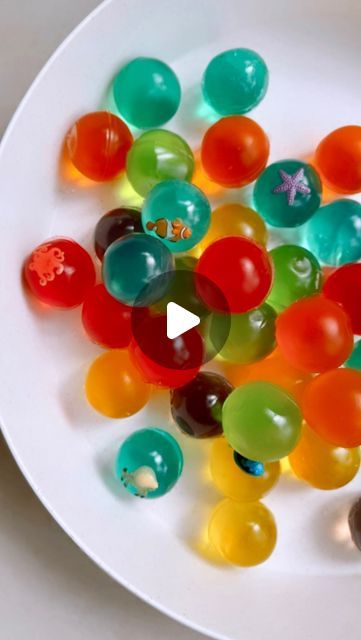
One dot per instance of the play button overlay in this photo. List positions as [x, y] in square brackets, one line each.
[179, 320]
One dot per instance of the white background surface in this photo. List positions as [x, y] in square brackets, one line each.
[48, 587]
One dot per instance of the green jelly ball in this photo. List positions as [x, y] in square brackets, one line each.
[149, 463]
[156, 156]
[354, 361]
[147, 92]
[297, 274]
[235, 81]
[261, 421]
[334, 232]
[287, 193]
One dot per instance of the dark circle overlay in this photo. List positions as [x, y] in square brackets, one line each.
[196, 346]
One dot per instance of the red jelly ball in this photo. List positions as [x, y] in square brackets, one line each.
[314, 334]
[234, 151]
[60, 273]
[98, 144]
[338, 159]
[344, 286]
[242, 271]
[106, 320]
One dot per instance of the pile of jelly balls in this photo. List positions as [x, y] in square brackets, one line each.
[286, 379]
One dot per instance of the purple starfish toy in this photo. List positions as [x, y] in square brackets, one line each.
[292, 185]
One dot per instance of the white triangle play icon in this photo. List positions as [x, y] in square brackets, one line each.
[179, 320]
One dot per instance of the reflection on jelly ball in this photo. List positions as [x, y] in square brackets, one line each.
[261, 421]
[338, 159]
[234, 151]
[197, 407]
[235, 483]
[114, 386]
[344, 286]
[98, 144]
[297, 274]
[287, 193]
[235, 220]
[240, 268]
[331, 406]
[321, 464]
[354, 521]
[157, 156]
[149, 463]
[106, 320]
[131, 263]
[114, 225]
[244, 534]
[235, 81]
[334, 233]
[314, 334]
[354, 361]
[60, 273]
[251, 336]
[178, 213]
[147, 92]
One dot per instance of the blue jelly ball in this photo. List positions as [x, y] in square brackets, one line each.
[354, 361]
[334, 232]
[149, 463]
[178, 213]
[147, 92]
[252, 467]
[235, 81]
[130, 264]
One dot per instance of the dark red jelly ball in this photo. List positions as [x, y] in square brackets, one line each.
[114, 225]
[344, 286]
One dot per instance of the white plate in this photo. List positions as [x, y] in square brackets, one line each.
[311, 586]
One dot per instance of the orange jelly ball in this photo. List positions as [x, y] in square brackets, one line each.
[98, 144]
[338, 159]
[331, 406]
[234, 151]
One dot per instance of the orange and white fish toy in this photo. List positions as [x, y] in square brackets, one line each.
[172, 230]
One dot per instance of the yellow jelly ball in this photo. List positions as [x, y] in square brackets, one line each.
[235, 220]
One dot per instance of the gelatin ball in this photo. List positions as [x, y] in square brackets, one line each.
[244, 534]
[334, 233]
[354, 361]
[241, 270]
[149, 463]
[354, 522]
[235, 81]
[114, 225]
[287, 193]
[252, 467]
[234, 483]
[261, 421]
[106, 320]
[60, 273]
[314, 334]
[197, 407]
[344, 286]
[234, 151]
[297, 274]
[331, 406]
[147, 92]
[98, 144]
[321, 464]
[114, 386]
[338, 159]
[157, 156]
[235, 220]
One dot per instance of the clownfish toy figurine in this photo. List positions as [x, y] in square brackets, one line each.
[172, 230]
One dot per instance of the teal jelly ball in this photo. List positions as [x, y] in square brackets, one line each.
[297, 274]
[147, 92]
[178, 213]
[149, 463]
[129, 265]
[235, 81]
[334, 232]
[354, 361]
[287, 193]
[157, 156]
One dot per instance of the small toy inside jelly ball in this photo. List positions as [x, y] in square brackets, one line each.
[244, 534]
[115, 225]
[234, 151]
[235, 81]
[131, 263]
[333, 234]
[149, 463]
[314, 334]
[236, 483]
[147, 92]
[106, 320]
[114, 386]
[197, 407]
[261, 421]
[344, 286]
[60, 273]
[235, 220]
[157, 156]
[321, 464]
[354, 522]
[98, 144]
[338, 159]
[240, 269]
[354, 361]
[297, 274]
